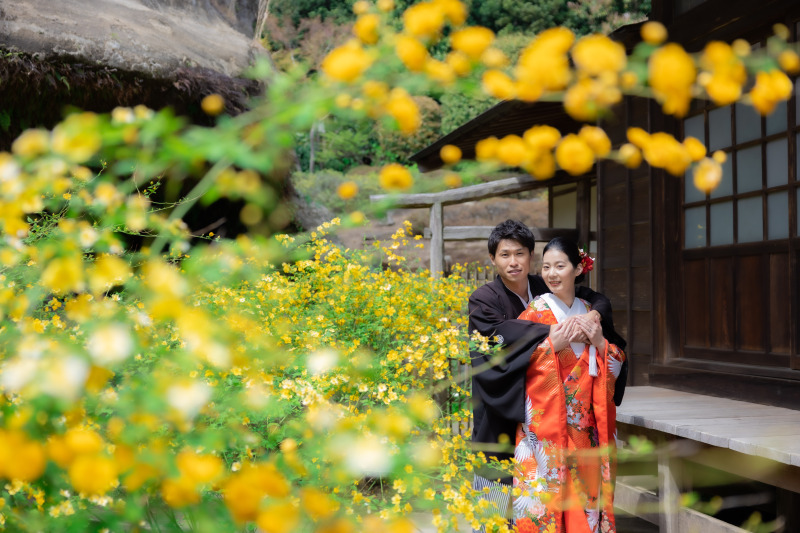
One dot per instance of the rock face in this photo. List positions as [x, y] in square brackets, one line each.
[154, 37]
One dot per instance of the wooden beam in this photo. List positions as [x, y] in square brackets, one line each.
[462, 194]
[480, 233]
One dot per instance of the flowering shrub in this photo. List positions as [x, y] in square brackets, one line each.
[196, 383]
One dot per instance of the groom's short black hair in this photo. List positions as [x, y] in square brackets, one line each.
[513, 230]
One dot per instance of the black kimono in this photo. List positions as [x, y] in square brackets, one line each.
[498, 393]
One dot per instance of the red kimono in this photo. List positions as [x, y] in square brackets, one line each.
[565, 448]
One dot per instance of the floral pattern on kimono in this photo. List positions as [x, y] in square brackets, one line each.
[559, 487]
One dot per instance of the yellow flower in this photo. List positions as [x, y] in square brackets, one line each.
[597, 140]
[106, 272]
[596, 54]
[31, 143]
[179, 492]
[727, 73]
[423, 20]
[21, 458]
[638, 137]
[64, 274]
[630, 156]
[360, 7]
[771, 87]
[697, 150]
[78, 137]
[472, 41]
[404, 110]
[719, 156]
[541, 164]
[789, 61]
[671, 74]
[213, 104]
[498, 84]
[579, 101]
[653, 33]
[574, 155]
[411, 52]
[440, 71]
[454, 11]
[347, 62]
[544, 62]
[450, 154]
[395, 177]
[385, 5]
[93, 474]
[199, 468]
[512, 150]
[664, 151]
[278, 518]
[452, 180]
[542, 137]
[317, 504]
[459, 62]
[494, 58]
[485, 149]
[366, 28]
[347, 190]
[707, 175]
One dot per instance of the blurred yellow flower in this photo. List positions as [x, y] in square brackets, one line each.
[789, 61]
[542, 165]
[494, 58]
[498, 84]
[697, 150]
[385, 5]
[347, 190]
[486, 149]
[199, 468]
[21, 458]
[402, 107]
[472, 41]
[452, 180]
[630, 156]
[395, 177]
[64, 274]
[440, 71]
[544, 62]
[638, 137]
[106, 272]
[450, 154]
[459, 62]
[93, 474]
[662, 150]
[454, 11]
[597, 140]
[671, 74]
[31, 143]
[596, 54]
[542, 137]
[278, 518]
[653, 32]
[411, 52]
[424, 20]
[707, 175]
[78, 137]
[512, 150]
[347, 62]
[771, 87]
[366, 28]
[727, 73]
[317, 504]
[360, 7]
[719, 156]
[213, 104]
[574, 155]
[179, 492]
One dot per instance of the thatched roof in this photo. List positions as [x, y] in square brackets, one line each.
[98, 54]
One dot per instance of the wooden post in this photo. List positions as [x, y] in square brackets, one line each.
[437, 240]
[669, 492]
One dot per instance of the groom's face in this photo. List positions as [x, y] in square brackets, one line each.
[512, 261]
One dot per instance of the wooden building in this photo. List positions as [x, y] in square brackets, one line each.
[705, 288]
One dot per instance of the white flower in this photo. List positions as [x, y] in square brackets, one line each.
[88, 236]
[322, 361]
[110, 344]
[367, 456]
[17, 373]
[64, 376]
[189, 397]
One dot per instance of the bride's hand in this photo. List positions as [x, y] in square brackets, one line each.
[560, 335]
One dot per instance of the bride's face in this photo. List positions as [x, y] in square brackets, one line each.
[559, 274]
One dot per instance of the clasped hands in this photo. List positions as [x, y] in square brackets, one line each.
[581, 328]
